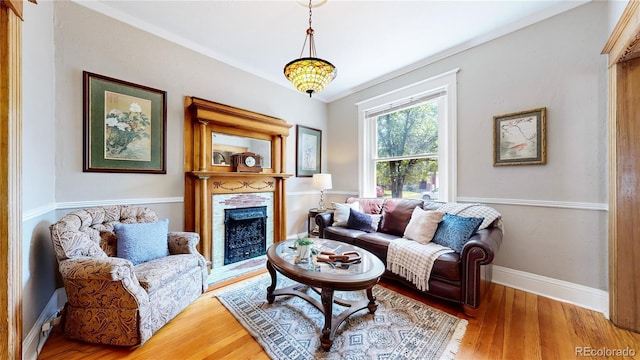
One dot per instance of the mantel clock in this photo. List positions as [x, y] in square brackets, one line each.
[246, 162]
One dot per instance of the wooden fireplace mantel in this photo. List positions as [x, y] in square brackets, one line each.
[204, 179]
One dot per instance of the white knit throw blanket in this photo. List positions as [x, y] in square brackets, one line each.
[489, 214]
[413, 260]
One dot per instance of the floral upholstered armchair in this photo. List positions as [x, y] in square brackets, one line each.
[118, 301]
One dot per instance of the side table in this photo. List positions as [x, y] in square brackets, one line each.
[312, 228]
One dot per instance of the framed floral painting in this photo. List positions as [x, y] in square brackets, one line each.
[308, 151]
[520, 138]
[124, 126]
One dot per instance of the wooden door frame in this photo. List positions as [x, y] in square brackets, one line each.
[623, 50]
[11, 214]
[10, 179]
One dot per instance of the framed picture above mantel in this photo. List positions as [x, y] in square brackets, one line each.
[124, 126]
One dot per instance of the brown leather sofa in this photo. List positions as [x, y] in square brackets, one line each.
[462, 278]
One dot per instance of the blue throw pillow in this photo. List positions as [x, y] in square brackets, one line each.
[142, 242]
[454, 231]
[360, 221]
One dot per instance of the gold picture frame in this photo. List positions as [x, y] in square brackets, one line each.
[124, 126]
[520, 138]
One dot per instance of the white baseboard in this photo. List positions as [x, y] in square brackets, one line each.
[35, 339]
[583, 296]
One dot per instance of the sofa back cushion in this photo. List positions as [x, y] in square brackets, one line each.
[89, 232]
[396, 214]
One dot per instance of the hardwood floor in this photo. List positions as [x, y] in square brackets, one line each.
[513, 324]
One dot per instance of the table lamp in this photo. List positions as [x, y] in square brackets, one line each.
[322, 182]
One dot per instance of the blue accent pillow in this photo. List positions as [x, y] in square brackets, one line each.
[360, 221]
[454, 231]
[142, 242]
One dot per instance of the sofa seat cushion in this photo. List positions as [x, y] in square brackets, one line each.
[342, 234]
[447, 266]
[154, 274]
[376, 243]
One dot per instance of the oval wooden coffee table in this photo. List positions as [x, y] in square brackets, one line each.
[324, 279]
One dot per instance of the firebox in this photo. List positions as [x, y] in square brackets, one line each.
[245, 233]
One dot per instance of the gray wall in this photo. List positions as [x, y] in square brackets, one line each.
[615, 7]
[555, 64]
[38, 161]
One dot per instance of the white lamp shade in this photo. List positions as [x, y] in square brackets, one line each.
[322, 181]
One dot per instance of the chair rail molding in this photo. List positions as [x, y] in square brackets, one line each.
[538, 203]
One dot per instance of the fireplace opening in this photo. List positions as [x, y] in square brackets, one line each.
[245, 233]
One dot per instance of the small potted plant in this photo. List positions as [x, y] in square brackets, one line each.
[303, 249]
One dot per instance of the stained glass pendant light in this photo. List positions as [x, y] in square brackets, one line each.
[310, 74]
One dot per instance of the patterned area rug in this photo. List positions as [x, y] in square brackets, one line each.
[401, 328]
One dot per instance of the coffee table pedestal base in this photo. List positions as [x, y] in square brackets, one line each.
[331, 322]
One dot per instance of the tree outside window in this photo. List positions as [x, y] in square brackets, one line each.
[407, 151]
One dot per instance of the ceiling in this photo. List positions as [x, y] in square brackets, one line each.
[367, 41]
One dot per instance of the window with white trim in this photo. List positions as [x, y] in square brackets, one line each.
[407, 141]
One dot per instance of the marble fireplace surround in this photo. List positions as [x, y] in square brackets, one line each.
[224, 202]
[208, 184]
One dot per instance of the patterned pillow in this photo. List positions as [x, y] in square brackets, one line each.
[361, 221]
[142, 242]
[342, 212]
[454, 231]
[423, 225]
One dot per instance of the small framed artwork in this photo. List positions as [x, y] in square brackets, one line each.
[308, 150]
[520, 138]
[124, 126]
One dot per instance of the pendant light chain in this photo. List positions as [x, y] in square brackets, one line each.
[312, 45]
[310, 14]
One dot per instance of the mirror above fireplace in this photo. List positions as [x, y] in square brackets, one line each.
[225, 145]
